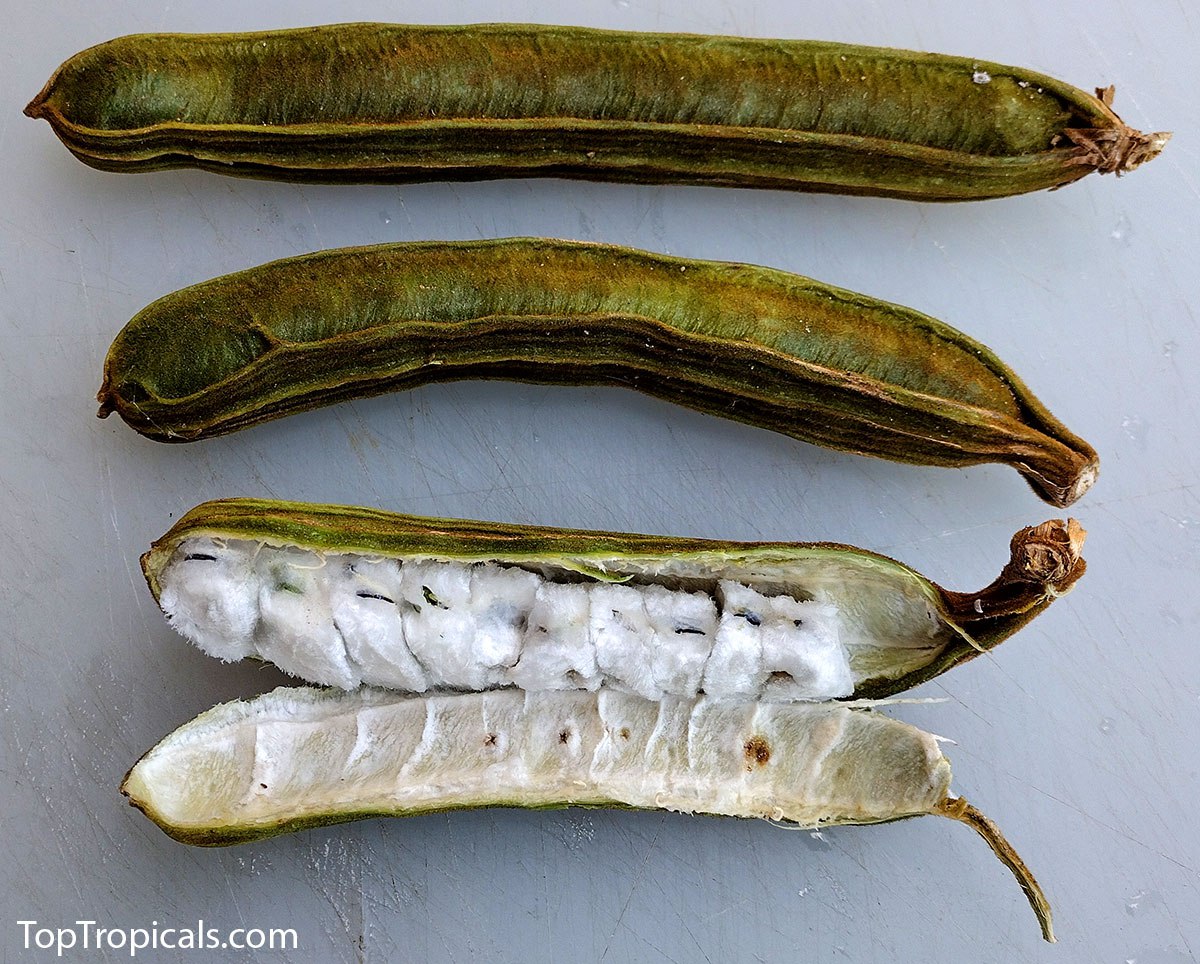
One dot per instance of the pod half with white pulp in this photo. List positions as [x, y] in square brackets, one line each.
[344, 596]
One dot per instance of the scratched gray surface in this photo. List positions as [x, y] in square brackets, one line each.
[1078, 737]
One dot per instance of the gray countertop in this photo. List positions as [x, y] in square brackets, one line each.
[1078, 736]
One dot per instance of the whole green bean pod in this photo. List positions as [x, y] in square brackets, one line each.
[757, 345]
[382, 102]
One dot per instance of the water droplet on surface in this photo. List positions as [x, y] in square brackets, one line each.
[1122, 229]
[1134, 903]
[1106, 724]
[385, 217]
[621, 4]
[1135, 428]
[1169, 348]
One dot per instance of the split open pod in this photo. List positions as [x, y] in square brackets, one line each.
[547, 667]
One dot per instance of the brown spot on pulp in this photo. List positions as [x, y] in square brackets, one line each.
[757, 751]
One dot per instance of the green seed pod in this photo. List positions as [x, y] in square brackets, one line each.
[344, 596]
[299, 758]
[773, 349]
[379, 102]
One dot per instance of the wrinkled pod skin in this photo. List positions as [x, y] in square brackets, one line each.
[1045, 562]
[385, 102]
[754, 344]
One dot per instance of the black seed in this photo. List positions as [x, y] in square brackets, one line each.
[689, 631]
[199, 557]
[432, 599]
[752, 618]
[363, 594]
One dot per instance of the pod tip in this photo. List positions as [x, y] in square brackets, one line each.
[1115, 149]
[1140, 149]
[958, 809]
[37, 107]
[1083, 481]
[107, 400]
[1077, 477]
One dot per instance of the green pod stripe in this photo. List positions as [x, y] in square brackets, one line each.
[382, 102]
[758, 345]
[299, 758]
[915, 629]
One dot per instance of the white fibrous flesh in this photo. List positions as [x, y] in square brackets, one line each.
[418, 625]
[298, 754]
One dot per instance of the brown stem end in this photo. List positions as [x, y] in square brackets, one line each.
[1045, 562]
[1050, 555]
[1117, 149]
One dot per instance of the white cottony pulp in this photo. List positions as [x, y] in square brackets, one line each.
[344, 619]
[304, 754]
